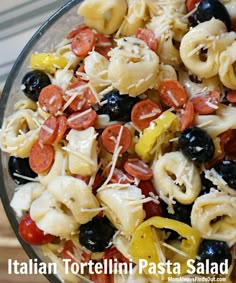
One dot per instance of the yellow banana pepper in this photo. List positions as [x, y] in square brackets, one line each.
[47, 62]
[144, 241]
[157, 136]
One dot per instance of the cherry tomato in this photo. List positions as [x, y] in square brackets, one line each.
[113, 253]
[48, 130]
[82, 120]
[148, 36]
[110, 135]
[191, 4]
[41, 157]
[31, 234]
[83, 42]
[172, 93]
[206, 102]
[151, 208]
[186, 116]
[138, 169]
[144, 112]
[51, 99]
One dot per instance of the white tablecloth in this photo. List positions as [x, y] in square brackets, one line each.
[19, 20]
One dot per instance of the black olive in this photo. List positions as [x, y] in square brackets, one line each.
[196, 144]
[33, 82]
[206, 185]
[207, 9]
[118, 106]
[227, 170]
[96, 235]
[17, 165]
[214, 251]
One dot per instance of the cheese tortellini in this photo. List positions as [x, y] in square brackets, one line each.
[200, 48]
[106, 16]
[133, 66]
[214, 216]
[175, 176]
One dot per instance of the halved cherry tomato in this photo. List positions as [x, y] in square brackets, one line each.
[231, 96]
[186, 116]
[48, 130]
[82, 120]
[76, 30]
[206, 102]
[83, 97]
[51, 99]
[144, 112]
[83, 42]
[68, 248]
[191, 4]
[110, 134]
[137, 168]
[103, 44]
[120, 177]
[113, 253]
[41, 157]
[172, 93]
[31, 234]
[151, 208]
[148, 36]
[62, 127]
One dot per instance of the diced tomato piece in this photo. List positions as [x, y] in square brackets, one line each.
[48, 130]
[82, 120]
[41, 157]
[186, 116]
[152, 208]
[113, 253]
[110, 136]
[206, 102]
[148, 36]
[172, 93]
[191, 4]
[144, 112]
[138, 169]
[51, 99]
[83, 42]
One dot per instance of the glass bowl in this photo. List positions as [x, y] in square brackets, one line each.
[48, 35]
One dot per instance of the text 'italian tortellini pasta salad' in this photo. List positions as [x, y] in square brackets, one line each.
[120, 140]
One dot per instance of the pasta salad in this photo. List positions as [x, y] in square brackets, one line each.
[123, 149]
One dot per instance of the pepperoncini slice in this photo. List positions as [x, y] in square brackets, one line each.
[156, 137]
[144, 243]
[47, 62]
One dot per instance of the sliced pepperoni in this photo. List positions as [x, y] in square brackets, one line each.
[48, 130]
[172, 93]
[82, 120]
[148, 36]
[110, 137]
[80, 96]
[231, 96]
[103, 44]
[62, 127]
[51, 99]
[83, 42]
[120, 177]
[75, 31]
[41, 157]
[186, 116]
[138, 169]
[191, 4]
[144, 112]
[79, 71]
[206, 102]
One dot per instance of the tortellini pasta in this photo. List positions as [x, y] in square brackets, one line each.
[200, 48]
[133, 66]
[227, 66]
[82, 151]
[214, 216]
[106, 16]
[19, 132]
[174, 176]
[123, 206]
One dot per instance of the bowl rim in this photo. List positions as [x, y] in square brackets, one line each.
[3, 100]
